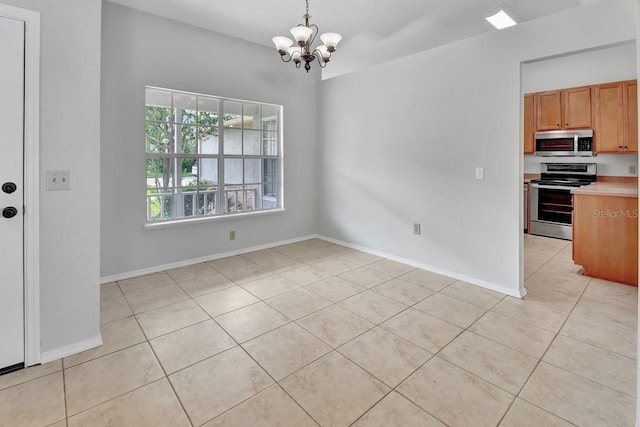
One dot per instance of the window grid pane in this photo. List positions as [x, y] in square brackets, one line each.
[184, 165]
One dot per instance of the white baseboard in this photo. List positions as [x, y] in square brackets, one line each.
[68, 350]
[518, 293]
[157, 268]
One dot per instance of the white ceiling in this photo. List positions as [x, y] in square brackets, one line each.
[373, 31]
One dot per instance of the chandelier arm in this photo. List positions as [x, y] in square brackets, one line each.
[319, 53]
[321, 63]
[282, 57]
[321, 60]
[313, 35]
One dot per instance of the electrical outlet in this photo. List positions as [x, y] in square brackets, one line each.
[479, 172]
[632, 170]
[232, 235]
[58, 180]
[416, 228]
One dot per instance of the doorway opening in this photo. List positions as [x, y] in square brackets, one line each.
[548, 271]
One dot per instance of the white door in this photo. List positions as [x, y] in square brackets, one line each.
[11, 193]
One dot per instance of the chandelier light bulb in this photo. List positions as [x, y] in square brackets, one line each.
[331, 40]
[301, 34]
[295, 53]
[324, 52]
[282, 43]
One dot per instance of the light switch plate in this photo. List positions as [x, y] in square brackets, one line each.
[58, 180]
[479, 172]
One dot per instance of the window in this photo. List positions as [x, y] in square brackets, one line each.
[210, 156]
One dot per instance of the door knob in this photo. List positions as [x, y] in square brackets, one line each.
[9, 187]
[9, 212]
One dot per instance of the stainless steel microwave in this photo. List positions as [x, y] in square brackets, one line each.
[565, 143]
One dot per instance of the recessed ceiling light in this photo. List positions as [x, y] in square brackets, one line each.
[501, 20]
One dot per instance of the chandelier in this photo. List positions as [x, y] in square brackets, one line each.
[304, 35]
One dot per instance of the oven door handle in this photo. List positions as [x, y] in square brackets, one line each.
[552, 187]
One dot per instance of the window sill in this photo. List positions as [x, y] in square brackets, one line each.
[193, 221]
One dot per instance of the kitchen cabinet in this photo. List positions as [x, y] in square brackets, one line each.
[630, 107]
[609, 118]
[549, 110]
[563, 109]
[616, 124]
[605, 235]
[576, 104]
[529, 124]
[610, 109]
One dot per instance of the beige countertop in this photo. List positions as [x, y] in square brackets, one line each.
[529, 176]
[612, 189]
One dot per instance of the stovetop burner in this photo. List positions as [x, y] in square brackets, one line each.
[567, 174]
[562, 182]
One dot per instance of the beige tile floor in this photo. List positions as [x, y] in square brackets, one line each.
[317, 334]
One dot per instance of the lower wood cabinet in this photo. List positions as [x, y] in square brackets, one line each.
[605, 237]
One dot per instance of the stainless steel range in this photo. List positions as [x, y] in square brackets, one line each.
[551, 199]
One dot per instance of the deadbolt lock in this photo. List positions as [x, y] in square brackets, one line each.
[9, 212]
[9, 187]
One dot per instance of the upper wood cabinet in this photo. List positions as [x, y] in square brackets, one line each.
[611, 109]
[577, 108]
[549, 110]
[529, 124]
[564, 109]
[616, 111]
[630, 102]
[609, 118]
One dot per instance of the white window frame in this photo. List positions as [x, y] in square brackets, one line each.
[222, 189]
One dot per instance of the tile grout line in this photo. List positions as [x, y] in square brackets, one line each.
[239, 345]
[275, 382]
[465, 370]
[335, 349]
[540, 360]
[64, 394]
[166, 377]
[432, 355]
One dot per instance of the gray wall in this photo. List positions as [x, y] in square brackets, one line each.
[400, 142]
[610, 64]
[140, 49]
[69, 139]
